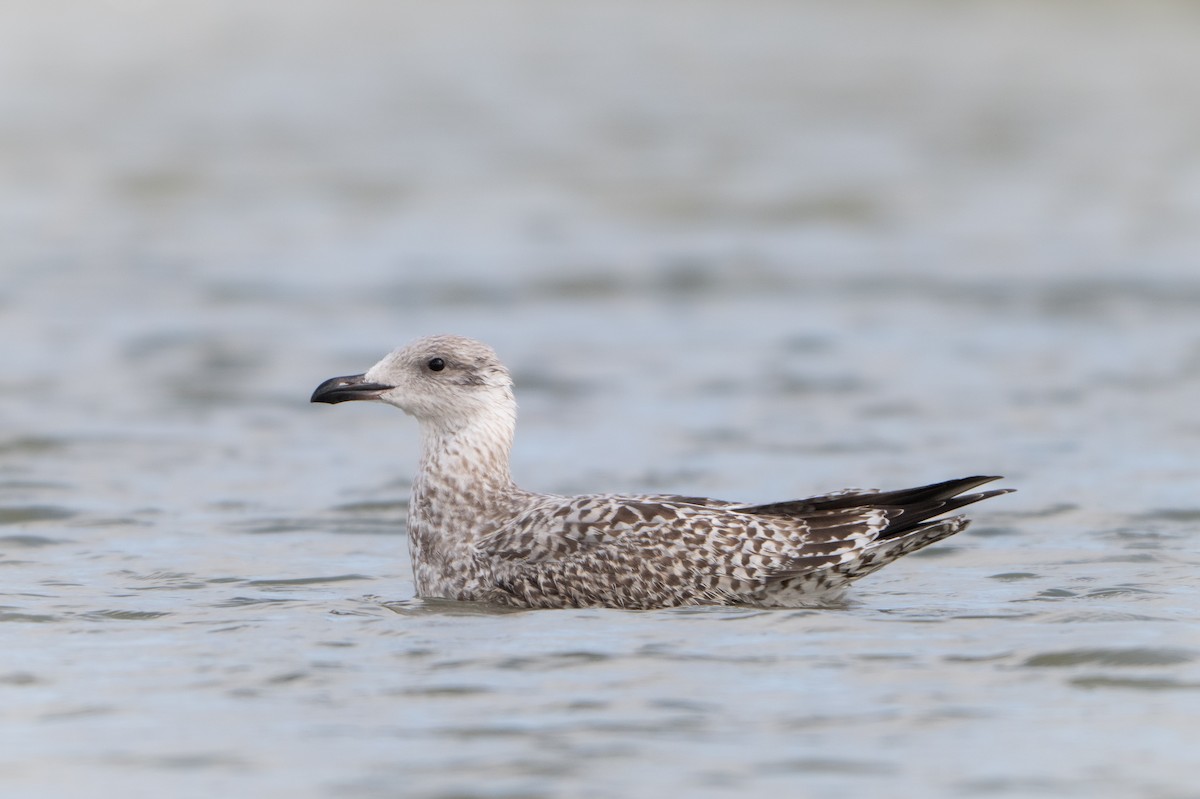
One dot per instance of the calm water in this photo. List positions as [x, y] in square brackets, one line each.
[754, 251]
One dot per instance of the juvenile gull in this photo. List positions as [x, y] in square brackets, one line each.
[475, 535]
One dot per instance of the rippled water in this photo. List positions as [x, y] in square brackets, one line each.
[753, 251]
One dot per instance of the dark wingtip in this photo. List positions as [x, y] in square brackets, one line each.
[991, 492]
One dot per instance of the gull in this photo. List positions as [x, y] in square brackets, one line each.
[474, 535]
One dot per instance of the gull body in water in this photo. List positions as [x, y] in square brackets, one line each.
[475, 535]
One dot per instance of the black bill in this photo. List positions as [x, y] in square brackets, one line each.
[350, 387]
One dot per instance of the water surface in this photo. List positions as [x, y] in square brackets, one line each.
[752, 251]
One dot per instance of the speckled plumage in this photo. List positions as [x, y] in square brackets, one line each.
[475, 535]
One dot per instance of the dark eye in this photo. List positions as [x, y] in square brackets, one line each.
[436, 364]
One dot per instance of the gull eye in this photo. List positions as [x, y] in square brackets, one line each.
[436, 364]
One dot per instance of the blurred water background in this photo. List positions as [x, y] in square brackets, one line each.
[753, 250]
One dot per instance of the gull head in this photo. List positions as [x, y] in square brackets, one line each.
[445, 381]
